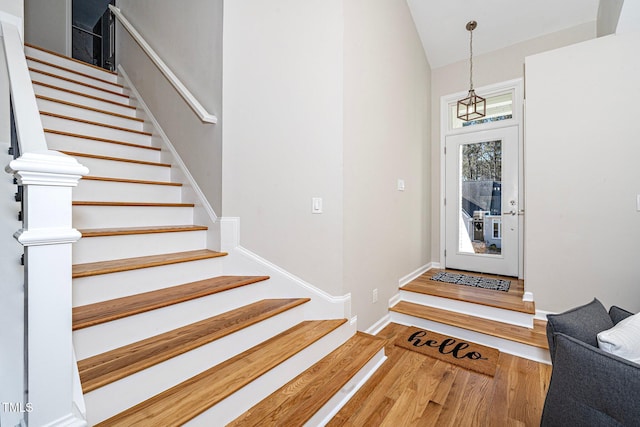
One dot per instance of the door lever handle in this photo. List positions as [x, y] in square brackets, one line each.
[512, 213]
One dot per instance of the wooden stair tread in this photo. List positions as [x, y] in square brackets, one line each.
[89, 122]
[69, 70]
[51, 52]
[143, 204]
[122, 231]
[127, 264]
[74, 92]
[297, 401]
[511, 300]
[536, 337]
[473, 295]
[115, 159]
[106, 311]
[103, 369]
[85, 107]
[131, 181]
[190, 398]
[66, 79]
[95, 138]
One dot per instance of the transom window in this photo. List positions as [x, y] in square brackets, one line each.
[499, 107]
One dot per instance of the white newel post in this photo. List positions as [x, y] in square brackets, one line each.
[47, 235]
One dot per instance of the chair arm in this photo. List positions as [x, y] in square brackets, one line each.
[591, 387]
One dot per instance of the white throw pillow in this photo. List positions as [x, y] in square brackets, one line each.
[623, 339]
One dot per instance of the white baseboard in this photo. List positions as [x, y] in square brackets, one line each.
[379, 325]
[243, 261]
[542, 314]
[415, 274]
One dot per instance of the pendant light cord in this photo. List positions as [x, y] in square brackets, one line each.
[471, 60]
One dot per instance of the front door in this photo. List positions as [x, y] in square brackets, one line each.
[481, 204]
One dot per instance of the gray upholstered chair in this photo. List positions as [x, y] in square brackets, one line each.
[589, 387]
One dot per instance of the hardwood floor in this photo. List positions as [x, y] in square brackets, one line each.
[411, 389]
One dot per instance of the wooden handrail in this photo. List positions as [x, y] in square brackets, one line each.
[195, 105]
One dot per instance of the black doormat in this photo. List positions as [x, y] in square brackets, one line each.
[476, 281]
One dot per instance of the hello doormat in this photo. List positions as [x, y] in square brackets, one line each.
[460, 352]
[476, 281]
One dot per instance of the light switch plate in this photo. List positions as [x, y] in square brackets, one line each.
[400, 184]
[316, 205]
[638, 203]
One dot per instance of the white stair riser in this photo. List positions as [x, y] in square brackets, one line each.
[130, 216]
[125, 170]
[492, 313]
[108, 336]
[83, 100]
[90, 115]
[81, 128]
[100, 148]
[115, 96]
[89, 290]
[103, 248]
[517, 349]
[67, 63]
[109, 191]
[236, 404]
[73, 76]
[116, 397]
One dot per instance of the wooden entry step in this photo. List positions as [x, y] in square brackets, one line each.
[185, 401]
[106, 311]
[297, 401]
[105, 368]
[535, 337]
[511, 300]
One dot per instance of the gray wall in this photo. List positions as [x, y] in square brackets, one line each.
[329, 98]
[47, 23]
[188, 38]
[582, 222]
[386, 137]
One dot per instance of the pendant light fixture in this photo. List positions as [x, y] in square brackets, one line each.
[473, 106]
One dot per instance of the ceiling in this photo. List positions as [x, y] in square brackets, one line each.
[501, 23]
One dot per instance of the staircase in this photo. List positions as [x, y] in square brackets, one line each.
[493, 318]
[162, 333]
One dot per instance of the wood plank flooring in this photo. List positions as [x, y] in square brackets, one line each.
[411, 389]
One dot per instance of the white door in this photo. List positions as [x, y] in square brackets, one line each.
[481, 201]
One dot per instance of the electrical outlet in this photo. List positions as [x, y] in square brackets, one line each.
[374, 295]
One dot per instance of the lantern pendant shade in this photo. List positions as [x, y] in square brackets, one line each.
[472, 107]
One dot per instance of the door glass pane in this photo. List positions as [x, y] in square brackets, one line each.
[481, 198]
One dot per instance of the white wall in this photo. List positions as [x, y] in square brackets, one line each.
[495, 67]
[12, 7]
[282, 133]
[582, 167]
[386, 138]
[47, 23]
[629, 17]
[188, 38]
